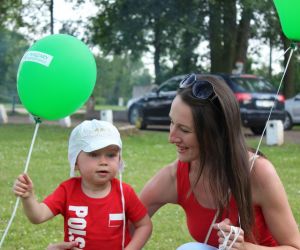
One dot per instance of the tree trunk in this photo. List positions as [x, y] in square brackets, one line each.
[243, 35]
[90, 112]
[270, 58]
[157, 50]
[215, 39]
[51, 8]
[229, 35]
[188, 60]
[289, 79]
[222, 35]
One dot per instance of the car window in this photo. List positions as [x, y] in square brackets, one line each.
[253, 85]
[169, 85]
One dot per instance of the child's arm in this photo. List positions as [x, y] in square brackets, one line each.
[36, 212]
[142, 232]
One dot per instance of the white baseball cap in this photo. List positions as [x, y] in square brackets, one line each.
[89, 136]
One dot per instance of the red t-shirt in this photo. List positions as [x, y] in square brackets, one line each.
[200, 218]
[96, 223]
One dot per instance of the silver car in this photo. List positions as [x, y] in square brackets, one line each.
[292, 108]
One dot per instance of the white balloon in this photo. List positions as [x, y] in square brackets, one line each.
[196, 246]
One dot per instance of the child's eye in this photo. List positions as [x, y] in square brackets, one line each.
[111, 155]
[93, 154]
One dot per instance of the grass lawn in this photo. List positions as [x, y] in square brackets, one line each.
[144, 154]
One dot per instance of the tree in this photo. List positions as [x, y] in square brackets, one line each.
[228, 34]
[116, 78]
[186, 34]
[289, 80]
[12, 47]
[173, 29]
[10, 13]
[271, 33]
[135, 27]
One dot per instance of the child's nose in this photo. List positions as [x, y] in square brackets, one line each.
[102, 160]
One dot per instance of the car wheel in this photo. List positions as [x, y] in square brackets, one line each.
[135, 117]
[257, 130]
[288, 123]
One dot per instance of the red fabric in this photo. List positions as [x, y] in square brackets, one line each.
[200, 218]
[95, 222]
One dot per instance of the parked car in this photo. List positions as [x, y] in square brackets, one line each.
[292, 109]
[254, 94]
[153, 108]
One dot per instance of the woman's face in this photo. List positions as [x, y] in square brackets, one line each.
[182, 131]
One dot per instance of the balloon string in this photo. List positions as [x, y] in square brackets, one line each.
[273, 105]
[291, 47]
[25, 171]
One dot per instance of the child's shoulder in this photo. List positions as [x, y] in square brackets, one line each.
[116, 182]
[71, 181]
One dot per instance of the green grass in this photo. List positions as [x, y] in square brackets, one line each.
[144, 154]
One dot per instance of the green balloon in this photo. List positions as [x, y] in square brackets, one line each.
[56, 76]
[289, 15]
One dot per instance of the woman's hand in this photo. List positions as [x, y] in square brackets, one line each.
[230, 237]
[63, 245]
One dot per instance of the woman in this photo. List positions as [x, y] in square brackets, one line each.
[216, 179]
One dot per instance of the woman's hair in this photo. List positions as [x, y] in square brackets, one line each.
[223, 151]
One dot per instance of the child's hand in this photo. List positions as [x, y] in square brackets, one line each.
[23, 186]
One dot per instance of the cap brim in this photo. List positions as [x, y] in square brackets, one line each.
[99, 144]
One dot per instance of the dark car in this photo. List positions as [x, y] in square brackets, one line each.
[254, 94]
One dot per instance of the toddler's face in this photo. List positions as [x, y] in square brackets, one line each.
[100, 166]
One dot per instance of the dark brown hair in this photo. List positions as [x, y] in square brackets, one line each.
[223, 150]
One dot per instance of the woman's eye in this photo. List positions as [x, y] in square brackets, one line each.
[184, 130]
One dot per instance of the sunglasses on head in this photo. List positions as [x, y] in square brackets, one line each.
[201, 89]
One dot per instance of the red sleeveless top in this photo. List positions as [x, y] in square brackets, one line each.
[200, 218]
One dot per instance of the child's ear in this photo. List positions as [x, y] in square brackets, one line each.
[76, 166]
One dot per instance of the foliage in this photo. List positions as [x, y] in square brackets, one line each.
[10, 13]
[135, 27]
[116, 78]
[37, 18]
[144, 153]
[171, 31]
[12, 48]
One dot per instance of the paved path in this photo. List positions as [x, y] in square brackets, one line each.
[292, 136]
[123, 127]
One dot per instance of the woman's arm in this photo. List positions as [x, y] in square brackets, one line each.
[269, 193]
[160, 189]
